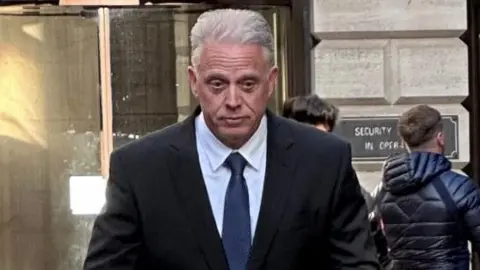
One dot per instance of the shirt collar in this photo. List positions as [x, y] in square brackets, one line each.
[216, 152]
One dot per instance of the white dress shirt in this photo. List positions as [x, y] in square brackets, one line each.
[212, 154]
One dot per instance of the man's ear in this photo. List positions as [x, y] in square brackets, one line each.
[441, 139]
[272, 79]
[192, 79]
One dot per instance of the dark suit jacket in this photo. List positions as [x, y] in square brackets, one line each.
[158, 215]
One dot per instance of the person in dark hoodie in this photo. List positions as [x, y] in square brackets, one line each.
[429, 212]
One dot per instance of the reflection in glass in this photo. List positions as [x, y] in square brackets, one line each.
[150, 53]
[49, 131]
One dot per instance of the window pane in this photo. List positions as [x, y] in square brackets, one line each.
[150, 53]
[49, 131]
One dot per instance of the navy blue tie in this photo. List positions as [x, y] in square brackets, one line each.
[236, 235]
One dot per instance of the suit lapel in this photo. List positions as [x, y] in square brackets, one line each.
[278, 178]
[190, 187]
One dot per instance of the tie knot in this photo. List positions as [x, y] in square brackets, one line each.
[236, 163]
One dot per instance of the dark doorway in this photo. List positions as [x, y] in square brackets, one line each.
[472, 102]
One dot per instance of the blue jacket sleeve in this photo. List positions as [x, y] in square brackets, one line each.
[467, 197]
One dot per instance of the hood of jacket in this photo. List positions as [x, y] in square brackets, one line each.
[407, 173]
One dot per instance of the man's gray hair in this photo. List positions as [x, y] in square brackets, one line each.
[237, 26]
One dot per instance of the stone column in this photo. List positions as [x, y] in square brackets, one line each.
[379, 58]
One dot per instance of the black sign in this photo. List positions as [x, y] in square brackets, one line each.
[375, 138]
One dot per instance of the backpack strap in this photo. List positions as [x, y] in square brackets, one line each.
[452, 209]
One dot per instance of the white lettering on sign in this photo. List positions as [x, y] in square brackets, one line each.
[372, 131]
[383, 145]
[390, 145]
[369, 146]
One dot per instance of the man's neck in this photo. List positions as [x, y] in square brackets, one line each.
[233, 143]
[427, 149]
[322, 127]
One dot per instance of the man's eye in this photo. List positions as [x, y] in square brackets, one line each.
[248, 85]
[217, 84]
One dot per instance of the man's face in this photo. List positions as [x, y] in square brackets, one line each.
[233, 84]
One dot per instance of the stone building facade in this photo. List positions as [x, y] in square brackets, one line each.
[378, 58]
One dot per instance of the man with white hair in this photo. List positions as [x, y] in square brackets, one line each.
[233, 186]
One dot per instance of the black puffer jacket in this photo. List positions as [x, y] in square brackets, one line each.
[420, 231]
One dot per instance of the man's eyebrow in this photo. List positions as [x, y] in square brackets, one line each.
[215, 76]
[249, 77]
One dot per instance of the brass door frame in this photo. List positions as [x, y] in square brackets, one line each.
[300, 41]
[106, 140]
[299, 28]
[300, 49]
[297, 60]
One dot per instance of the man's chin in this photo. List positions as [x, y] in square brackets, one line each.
[234, 135]
[234, 131]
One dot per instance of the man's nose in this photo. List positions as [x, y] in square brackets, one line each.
[233, 98]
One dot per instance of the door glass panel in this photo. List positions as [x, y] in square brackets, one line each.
[51, 116]
[49, 131]
[150, 53]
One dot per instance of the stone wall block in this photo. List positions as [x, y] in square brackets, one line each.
[429, 71]
[346, 19]
[352, 71]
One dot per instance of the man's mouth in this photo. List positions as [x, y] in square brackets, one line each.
[234, 120]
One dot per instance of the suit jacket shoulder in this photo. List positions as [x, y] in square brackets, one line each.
[154, 143]
[308, 137]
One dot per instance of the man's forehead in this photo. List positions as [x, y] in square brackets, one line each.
[231, 75]
[232, 52]
[231, 65]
